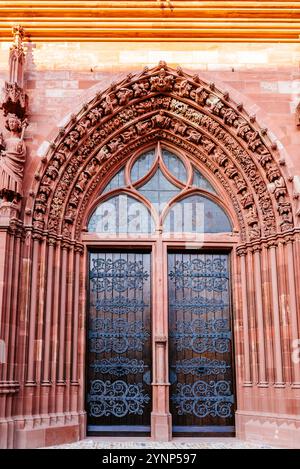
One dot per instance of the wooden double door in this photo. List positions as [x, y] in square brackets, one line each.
[119, 351]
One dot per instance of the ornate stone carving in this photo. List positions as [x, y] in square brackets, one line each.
[15, 100]
[172, 105]
[12, 159]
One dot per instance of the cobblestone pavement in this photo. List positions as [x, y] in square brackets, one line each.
[203, 443]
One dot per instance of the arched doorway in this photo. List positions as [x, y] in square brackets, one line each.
[207, 132]
[159, 310]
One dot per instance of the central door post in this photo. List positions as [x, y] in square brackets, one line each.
[161, 420]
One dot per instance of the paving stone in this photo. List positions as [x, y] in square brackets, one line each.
[231, 443]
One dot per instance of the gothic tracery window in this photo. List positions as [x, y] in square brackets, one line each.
[158, 190]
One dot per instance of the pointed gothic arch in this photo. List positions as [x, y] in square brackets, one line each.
[170, 105]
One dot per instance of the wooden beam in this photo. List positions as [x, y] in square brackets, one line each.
[153, 20]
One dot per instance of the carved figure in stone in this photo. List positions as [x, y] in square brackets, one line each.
[140, 88]
[251, 216]
[208, 144]
[82, 181]
[53, 170]
[229, 116]
[200, 95]
[162, 81]
[253, 140]
[92, 168]
[74, 199]
[219, 157]
[70, 214]
[240, 184]
[60, 157]
[124, 95]
[160, 120]
[103, 154]
[242, 129]
[40, 203]
[278, 188]
[109, 103]
[183, 88]
[94, 115]
[72, 139]
[231, 171]
[178, 127]
[144, 107]
[129, 134]
[12, 159]
[217, 107]
[265, 157]
[247, 200]
[272, 173]
[193, 136]
[143, 127]
[115, 145]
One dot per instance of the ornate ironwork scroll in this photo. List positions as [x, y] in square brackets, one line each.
[199, 305]
[117, 398]
[119, 366]
[118, 335]
[120, 305]
[119, 275]
[200, 366]
[202, 336]
[201, 275]
[201, 399]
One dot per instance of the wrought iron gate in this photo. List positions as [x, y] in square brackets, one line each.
[119, 343]
[202, 398]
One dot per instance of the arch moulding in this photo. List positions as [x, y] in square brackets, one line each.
[170, 105]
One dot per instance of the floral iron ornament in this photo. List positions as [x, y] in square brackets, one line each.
[118, 399]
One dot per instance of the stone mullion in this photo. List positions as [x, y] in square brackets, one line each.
[161, 427]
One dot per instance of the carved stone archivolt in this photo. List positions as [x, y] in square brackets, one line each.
[172, 106]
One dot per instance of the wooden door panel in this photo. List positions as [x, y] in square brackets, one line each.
[119, 342]
[201, 397]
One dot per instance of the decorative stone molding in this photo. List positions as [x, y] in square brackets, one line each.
[170, 105]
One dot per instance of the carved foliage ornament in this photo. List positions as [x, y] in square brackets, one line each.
[171, 105]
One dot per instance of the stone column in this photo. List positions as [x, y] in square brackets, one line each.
[161, 421]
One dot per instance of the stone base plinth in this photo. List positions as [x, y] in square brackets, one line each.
[276, 429]
[161, 427]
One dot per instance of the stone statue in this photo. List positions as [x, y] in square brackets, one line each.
[12, 159]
